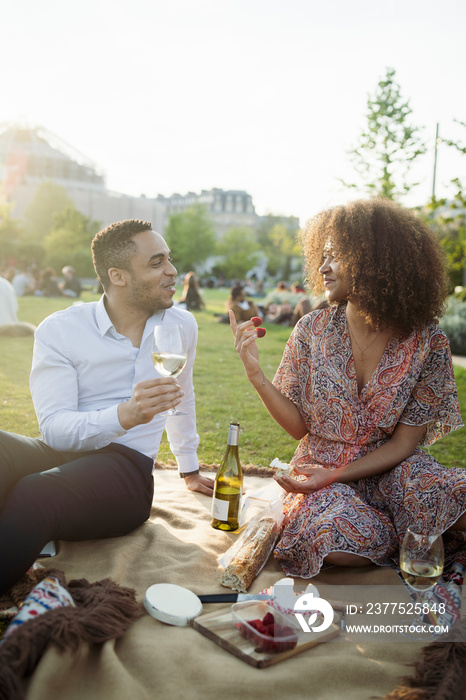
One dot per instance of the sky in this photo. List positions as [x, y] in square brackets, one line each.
[266, 96]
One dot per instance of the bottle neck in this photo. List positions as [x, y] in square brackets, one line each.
[233, 435]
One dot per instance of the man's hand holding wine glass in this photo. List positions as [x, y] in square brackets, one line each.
[170, 353]
[149, 397]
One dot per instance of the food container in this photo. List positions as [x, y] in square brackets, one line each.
[277, 635]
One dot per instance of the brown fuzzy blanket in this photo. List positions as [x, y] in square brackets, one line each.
[440, 673]
[102, 611]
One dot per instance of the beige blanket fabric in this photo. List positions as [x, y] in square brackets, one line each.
[154, 660]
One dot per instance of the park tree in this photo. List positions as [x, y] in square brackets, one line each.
[69, 241]
[239, 253]
[49, 199]
[10, 236]
[276, 236]
[447, 215]
[457, 145]
[388, 145]
[191, 238]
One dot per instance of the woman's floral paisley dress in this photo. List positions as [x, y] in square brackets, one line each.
[413, 384]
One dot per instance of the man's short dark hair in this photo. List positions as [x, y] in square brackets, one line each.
[114, 247]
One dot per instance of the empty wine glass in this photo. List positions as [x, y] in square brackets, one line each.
[170, 353]
[421, 564]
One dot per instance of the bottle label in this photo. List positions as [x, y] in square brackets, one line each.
[220, 509]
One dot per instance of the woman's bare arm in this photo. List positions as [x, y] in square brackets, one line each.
[400, 446]
[282, 410]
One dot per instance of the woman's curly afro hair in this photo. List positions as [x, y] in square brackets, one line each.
[394, 263]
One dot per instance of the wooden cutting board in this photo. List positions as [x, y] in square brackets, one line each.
[219, 627]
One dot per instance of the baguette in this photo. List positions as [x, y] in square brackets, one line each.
[251, 556]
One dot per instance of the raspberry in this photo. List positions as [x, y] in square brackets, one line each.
[268, 619]
[255, 623]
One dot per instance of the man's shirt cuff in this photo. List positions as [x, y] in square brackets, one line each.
[187, 464]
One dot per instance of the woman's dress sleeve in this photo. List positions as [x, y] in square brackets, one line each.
[434, 398]
[287, 375]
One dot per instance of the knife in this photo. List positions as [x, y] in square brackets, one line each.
[233, 597]
[238, 597]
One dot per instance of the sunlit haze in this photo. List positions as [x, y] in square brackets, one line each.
[260, 95]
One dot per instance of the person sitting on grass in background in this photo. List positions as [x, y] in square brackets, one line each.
[295, 305]
[191, 296]
[48, 285]
[101, 406]
[242, 307]
[9, 324]
[23, 282]
[71, 285]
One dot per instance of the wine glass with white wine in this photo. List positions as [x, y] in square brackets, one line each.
[421, 564]
[170, 353]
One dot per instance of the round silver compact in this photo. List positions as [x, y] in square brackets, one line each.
[172, 604]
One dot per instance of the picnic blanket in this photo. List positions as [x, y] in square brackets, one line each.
[142, 658]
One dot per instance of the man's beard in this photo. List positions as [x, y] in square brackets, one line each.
[142, 299]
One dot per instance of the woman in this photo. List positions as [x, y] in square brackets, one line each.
[364, 384]
[191, 295]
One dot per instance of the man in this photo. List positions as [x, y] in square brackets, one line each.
[101, 408]
[71, 286]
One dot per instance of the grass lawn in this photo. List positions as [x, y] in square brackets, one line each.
[222, 390]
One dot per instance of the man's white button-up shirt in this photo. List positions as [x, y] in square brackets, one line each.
[82, 369]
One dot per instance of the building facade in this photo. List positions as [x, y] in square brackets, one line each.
[227, 208]
[30, 156]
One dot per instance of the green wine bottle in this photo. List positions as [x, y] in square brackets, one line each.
[228, 486]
